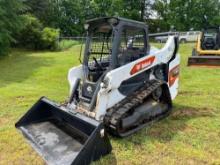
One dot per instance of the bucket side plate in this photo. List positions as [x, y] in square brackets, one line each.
[63, 138]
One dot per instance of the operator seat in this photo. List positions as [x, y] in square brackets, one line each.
[208, 43]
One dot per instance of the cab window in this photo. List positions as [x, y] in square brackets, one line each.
[132, 46]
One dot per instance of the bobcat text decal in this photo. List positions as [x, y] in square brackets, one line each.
[142, 65]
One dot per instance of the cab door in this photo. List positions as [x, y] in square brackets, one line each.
[133, 46]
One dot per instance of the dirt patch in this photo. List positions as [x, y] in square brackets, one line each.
[192, 112]
[190, 93]
[5, 119]
[154, 132]
[177, 123]
[19, 98]
[197, 93]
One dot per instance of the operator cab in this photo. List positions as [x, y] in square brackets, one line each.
[98, 49]
[111, 42]
[211, 38]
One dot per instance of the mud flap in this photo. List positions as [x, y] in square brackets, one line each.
[61, 137]
[204, 61]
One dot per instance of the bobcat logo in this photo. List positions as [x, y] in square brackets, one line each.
[89, 89]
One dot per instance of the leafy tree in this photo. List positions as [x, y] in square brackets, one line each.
[10, 22]
[29, 36]
[133, 9]
[188, 14]
[34, 36]
[70, 15]
[39, 9]
[66, 15]
[101, 8]
[71, 18]
[162, 9]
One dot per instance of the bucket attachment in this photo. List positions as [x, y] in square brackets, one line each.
[61, 137]
[204, 61]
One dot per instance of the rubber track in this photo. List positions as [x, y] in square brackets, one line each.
[115, 113]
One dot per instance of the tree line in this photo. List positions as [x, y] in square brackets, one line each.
[36, 24]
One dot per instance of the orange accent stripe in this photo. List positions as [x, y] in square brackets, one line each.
[173, 75]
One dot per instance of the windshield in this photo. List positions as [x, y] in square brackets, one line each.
[100, 44]
[98, 51]
[210, 33]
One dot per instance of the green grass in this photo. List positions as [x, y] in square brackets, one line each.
[66, 44]
[190, 135]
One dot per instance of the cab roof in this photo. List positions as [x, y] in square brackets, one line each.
[119, 19]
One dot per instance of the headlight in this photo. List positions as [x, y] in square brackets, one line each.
[105, 83]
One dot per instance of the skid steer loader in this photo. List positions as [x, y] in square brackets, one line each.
[122, 85]
[207, 49]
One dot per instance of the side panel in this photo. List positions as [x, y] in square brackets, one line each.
[173, 76]
[74, 74]
[106, 100]
[109, 94]
[117, 76]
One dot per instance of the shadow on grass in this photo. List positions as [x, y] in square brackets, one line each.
[108, 159]
[166, 129]
[18, 66]
[177, 122]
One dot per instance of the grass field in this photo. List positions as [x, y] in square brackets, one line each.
[66, 44]
[190, 135]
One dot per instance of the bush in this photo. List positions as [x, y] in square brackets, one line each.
[5, 41]
[34, 36]
[30, 35]
[49, 38]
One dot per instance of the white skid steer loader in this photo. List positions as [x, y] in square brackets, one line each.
[121, 86]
